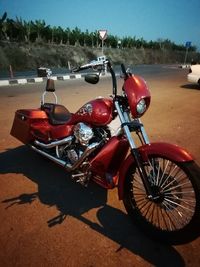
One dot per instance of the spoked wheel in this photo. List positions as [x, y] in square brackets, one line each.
[174, 214]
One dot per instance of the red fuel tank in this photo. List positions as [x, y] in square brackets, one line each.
[98, 112]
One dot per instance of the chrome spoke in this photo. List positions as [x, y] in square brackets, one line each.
[178, 193]
[158, 173]
[185, 201]
[172, 218]
[164, 172]
[174, 187]
[169, 176]
[153, 169]
[177, 203]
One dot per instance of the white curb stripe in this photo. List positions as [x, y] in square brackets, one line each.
[41, 79]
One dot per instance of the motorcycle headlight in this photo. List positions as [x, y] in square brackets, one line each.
[141, 106]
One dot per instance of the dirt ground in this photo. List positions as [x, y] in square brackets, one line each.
[48, 220]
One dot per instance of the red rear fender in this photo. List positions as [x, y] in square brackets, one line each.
[169, 151]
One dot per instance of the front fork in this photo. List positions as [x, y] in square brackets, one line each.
[136, 125]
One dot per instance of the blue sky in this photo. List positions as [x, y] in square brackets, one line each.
[177, 20]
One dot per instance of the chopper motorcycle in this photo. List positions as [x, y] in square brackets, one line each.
[158, 182]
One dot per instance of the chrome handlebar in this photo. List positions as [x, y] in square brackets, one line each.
[91, 65]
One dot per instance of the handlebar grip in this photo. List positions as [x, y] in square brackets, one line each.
[123, 69]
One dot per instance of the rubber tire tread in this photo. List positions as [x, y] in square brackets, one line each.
[190, 232]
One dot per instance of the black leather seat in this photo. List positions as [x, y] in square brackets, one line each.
[57, 114]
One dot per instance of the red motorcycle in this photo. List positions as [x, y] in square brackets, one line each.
[158, 182]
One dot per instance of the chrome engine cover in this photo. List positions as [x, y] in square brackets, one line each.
[83, 133]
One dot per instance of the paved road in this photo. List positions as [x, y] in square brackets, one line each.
[48, 220]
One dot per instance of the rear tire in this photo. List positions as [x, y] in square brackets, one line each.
[174, 217]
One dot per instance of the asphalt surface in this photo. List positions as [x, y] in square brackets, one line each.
[48, 220]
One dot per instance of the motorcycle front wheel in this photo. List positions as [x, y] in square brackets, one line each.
[173, 216]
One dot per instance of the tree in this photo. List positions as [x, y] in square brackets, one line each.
[53, 31]
[111, 41]
[66, 36]
[20, 30]
[75, 36]
[92, 38]
[3, 26]
[10, 29]
[28, 27]
[57, 35]
[39, 26]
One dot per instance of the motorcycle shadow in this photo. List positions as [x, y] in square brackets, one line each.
[70, 198]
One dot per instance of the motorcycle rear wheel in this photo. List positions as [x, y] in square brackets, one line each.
[174, 216]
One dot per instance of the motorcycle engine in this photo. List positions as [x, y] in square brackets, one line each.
[83, 133]
[85, 136]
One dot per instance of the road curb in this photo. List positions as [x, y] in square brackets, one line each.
[42, 79]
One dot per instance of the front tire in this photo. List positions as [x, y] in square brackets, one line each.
[174, 216]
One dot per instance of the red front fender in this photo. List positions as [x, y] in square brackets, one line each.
[169, 151]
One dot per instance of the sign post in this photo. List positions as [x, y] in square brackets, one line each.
[102, 36]
[187, 45]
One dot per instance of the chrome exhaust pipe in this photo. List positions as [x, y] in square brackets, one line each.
[63, 141]
[58, 161]
[85, 154]
[63, 163]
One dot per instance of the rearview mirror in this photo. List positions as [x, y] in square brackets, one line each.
[92, 78]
